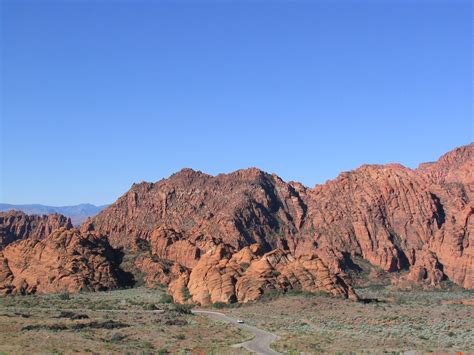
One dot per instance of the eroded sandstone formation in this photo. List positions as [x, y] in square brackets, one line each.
[64, 261]
[233, 237]
[413, 224]
[15, 225]
[239, 209]
[221, 276]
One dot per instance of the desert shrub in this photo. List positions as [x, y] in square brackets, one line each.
[306, 294]
[109, 324]
[22, 315]
[117, 338]
[186, 293]
[166, 298]
[400, 300]
[72, 315]
[219, 305]
[64, 296]
[244, 266]
[150, 307]
[183, 308]
[275, 273]
[180, 322]
[52, 327]
[271, 294]
[147, 345]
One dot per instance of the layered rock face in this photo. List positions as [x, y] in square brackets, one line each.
[233, 237]
[416, 224]
[239, 209]
[400, 219]
[64, 261]
[221, 276]
[451, 180]
[15, 225]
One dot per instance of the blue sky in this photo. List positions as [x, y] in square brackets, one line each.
[96, 95]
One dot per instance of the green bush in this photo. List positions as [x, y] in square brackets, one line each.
[183, 308]
[166, 298]
[150, 307]
[64, 296]
[186, 293]
[269, 295]
[275, 273]
[244, 266]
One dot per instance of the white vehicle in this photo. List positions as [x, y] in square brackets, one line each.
[240, 321]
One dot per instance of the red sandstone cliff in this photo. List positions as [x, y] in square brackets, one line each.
[235, 236]
[415, 224]
[64, 261]
[15, 225]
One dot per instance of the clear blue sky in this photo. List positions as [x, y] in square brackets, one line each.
[97, 95]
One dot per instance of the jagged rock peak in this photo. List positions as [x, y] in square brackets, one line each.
[16, 225]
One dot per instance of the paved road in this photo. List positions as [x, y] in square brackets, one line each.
[260, 344]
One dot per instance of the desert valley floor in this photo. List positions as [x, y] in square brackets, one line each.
[379, 259]
[131, 321]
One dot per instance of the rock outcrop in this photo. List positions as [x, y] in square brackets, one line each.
[223, 277]
[64, 261]
[418, 221]
[15, 225]
[239, 209]
[451, 182]
[413, 224]
[233, 237]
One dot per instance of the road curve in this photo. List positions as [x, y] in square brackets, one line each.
[260, 344]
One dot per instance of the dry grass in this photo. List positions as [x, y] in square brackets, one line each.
[124, 321]
[144, 322]
[418, 320]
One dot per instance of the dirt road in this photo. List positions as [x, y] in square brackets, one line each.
[260, 344]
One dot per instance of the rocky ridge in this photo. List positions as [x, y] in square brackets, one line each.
[15, 225]
[414, 224]
[233, 237]
[64, 261]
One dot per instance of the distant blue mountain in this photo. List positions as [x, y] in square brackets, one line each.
[77, 213]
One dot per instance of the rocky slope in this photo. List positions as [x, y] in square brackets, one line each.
[413, 224]
[15, 225]
[64, 261]
[233, 237]
[239, 209]
[221, 276]
[77, 213]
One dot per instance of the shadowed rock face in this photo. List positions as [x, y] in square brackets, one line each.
[15, 225]
[64, 261]
[418, 222]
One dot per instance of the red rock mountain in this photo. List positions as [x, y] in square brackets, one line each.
[415, 224]
[233, 237]
[64, 261]
[15, 225]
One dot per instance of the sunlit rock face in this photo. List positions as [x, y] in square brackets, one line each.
[64, 261]
[233, 237]
[413, 223]
[15, 225]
